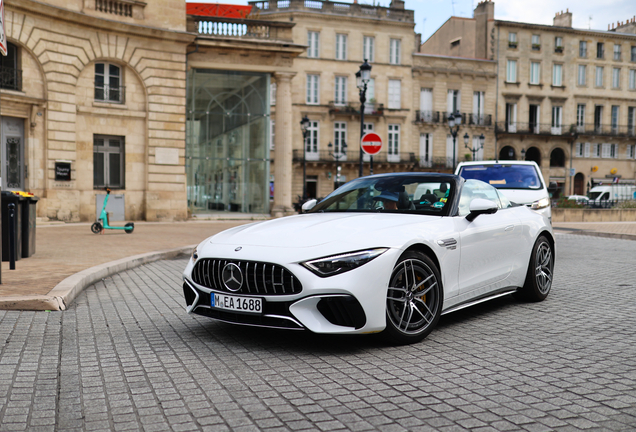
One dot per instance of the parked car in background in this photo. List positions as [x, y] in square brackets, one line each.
[385, 253]
[580, 199]
[519, 181]
[606, 196]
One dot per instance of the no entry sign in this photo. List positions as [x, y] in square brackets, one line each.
[371, 143]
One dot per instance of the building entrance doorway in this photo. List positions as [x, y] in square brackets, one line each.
[12, 153]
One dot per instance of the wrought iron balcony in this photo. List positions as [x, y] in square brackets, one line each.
[10, 79]
[582, 129]
[353, 108]
[110, 94]
[353, 156]
[441, 117]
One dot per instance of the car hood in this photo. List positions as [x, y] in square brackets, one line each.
[523, 196]
[311, 230]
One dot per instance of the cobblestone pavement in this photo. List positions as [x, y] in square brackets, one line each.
[126, 356]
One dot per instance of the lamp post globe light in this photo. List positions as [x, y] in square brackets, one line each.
[304, 126]
[454, 120]
[363, 76]
[472, 148]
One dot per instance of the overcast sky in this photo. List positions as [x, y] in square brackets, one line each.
[431, 14]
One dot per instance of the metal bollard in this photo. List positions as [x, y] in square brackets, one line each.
[11, 236]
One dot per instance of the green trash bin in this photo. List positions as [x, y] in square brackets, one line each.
[29, 215]
[8, 198]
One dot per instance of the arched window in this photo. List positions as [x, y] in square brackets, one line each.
[557, 158]
[507, 153]
[108, 86]
[534, 154]
[10, 73]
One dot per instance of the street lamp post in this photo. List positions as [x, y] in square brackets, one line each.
[454, 120]
[304, 126]
[363, 76]
[337, 154]
[472, 148]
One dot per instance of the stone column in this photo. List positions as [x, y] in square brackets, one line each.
[283, 146]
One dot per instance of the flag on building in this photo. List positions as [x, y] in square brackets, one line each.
[3, 36]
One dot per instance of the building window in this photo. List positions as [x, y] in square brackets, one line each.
[453, 101]
[312, 42]
[512, 40]
[600, 50]
[394, 52]
[615, 113]
[583, 49]
[511, 71]
[311, 143]
[395, 93]
[631, 121]
[535, 69]
[272, 134]
[616, 78]
[580, 117]
[558, 44]
[341, 46]
[108, 161]
[582, 150]
[536, 43]
[10, 73]
[426, 151]
[633, 54]
[108, 86]
[478, 107]
[596, 150]
[340, 138]
[370, 94]
[598, 118]
[368, 48]
[557, 120]
[272, 94]
[632, 79]
[313, 83]
[511, 117]
[631, 151]
[617, 52]
[582, 76]
[393, 150]
[557, 75]
[610, 151]
[341, 90]
[599, 76]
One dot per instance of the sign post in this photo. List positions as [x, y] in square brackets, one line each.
[371, 144]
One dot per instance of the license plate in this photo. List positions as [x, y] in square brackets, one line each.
[252, 305]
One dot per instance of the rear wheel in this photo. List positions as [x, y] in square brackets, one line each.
[132, 227]
[414, 299]
[540, 269]
[96, 228]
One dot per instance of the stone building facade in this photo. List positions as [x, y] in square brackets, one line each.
[566, 97]
[93, 95]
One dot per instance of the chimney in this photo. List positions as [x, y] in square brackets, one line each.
[628, 26]
[563, 19]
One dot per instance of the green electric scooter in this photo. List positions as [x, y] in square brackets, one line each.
[97, 227]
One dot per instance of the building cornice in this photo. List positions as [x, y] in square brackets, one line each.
[339, 17]
[250, 44]
[416, 54]
[556, 29]
[47, 11]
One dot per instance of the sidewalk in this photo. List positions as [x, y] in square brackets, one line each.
[69, 257]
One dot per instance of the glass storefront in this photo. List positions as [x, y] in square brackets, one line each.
[227, 141]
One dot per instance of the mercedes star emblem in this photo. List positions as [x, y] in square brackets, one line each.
[232, 277]
[238, 249]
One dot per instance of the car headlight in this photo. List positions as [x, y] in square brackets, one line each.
[542, 203]
[337, 264]
[195, 255]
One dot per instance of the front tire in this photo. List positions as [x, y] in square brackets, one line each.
[414, 299]
[132, 227]
[540, 270]
[96, 228]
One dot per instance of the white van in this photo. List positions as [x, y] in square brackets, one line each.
[607, 195]
[519, 181]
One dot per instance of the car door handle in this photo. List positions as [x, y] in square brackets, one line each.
[510, 227]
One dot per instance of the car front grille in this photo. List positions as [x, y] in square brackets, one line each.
[257, 277]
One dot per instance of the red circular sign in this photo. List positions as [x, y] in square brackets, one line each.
[371, 143]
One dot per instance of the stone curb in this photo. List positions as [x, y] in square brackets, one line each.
[596, 233]
[60, 297]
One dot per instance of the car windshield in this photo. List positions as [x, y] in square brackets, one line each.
[416, 194]
[504, 176]
[594, 195]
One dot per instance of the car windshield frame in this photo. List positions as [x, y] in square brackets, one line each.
[361, 195]
[504, 175]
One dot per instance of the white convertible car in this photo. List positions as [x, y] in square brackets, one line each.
[385, 253]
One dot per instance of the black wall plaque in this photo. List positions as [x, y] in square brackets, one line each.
[62, 171]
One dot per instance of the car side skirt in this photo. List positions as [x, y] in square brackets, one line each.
[471, 302]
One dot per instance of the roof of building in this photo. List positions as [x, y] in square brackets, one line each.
[218, 10]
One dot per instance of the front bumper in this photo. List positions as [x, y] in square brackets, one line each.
[350, 303]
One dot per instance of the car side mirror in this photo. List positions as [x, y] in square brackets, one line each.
[480, 206]
[309, 205]
[553, 186]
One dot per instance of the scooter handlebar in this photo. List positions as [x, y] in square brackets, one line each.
[107, 189]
